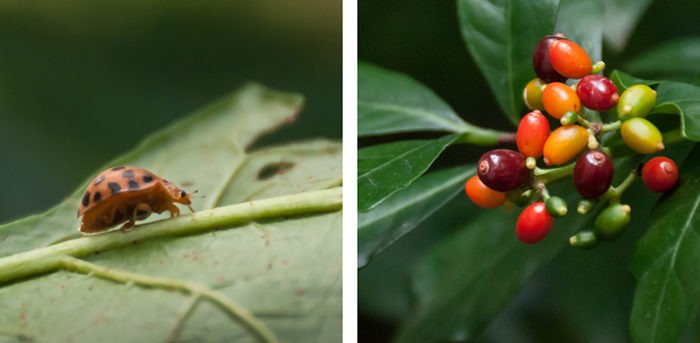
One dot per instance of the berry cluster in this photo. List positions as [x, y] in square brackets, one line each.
[512, 177]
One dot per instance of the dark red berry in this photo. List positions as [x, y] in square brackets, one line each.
[533, 224]
[541, 62]
[597, 92]
[593, 174]
[660, 174]
[502, 169]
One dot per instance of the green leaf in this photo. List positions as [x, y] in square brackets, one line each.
[385, 169]
[402, 212]
[285, 271]
[582, 22]
[677, 57]
[666, 263]
[465, 281]
[623, 80]
[621, 17]
[391, 102]
[501, 37]
[682, 99]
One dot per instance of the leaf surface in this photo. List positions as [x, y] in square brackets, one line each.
[501, 36]
[286, 272]
[385, 169]
[402, 212]
[666, 263]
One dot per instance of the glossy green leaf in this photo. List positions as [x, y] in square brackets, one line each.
[501, 37]
[402, 212]
[623, 80]
[385, 169]
[465, 281]
[582, 22]
[285, 271]
[391, 102]
[677, 57]
[621, 18]
[666, 263]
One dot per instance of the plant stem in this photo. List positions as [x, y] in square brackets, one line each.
[233, 310]
[550, 175]
[615, 193]
[47, 259]
[611, 126]
[478, 136]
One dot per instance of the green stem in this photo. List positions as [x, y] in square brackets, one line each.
[46, 259]
[615, 193]
[611, 126]
[233, 310]
[478, 136]
[553, 174]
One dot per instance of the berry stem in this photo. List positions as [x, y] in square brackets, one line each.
[611, 126]
[546, 176]
[479, 136]
[615, 193]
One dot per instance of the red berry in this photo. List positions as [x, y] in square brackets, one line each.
[660, 174]
[593, 174]
[533, 223]
[569, 59]
[541, 63]
[533, 131]
[502, 169]
[483, 196]
[597, 92]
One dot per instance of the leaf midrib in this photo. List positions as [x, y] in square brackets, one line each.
[417, 113]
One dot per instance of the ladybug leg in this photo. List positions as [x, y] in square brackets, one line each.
[128, 225]
[141, 211]
[174, 211]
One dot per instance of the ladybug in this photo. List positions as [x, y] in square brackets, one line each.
[127, 194]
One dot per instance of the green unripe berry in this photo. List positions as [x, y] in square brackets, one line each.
[612, 222]
[636, 101]
[641, 136]
[556, 206]
[532, 94]
[584, 206]
[569, 118]
[583, 239]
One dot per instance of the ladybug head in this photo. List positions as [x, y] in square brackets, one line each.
[179, 195]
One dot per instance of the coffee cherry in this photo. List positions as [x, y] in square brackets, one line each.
[483, 196]
[597, 92]
[612, 222]
[660, 174]
[532, 94]
[533, 131]
[636, 101]
[541, 63]
[533, 224]
[564, 143]
[569, 59]
[558, 98]
[593, 174]
[502, 169]
[641, 136]
[583, 239]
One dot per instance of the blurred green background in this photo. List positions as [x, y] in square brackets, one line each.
[84, 81]
[582, 296]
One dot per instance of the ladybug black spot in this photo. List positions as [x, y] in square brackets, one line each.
[86, 199]
[96, 197]
[147, 178]
[118, 168]
[133, 185]
[114, 187]
[98, 180]
[129, 174]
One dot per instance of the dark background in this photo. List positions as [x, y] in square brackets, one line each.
[82, 82]
[582, 296]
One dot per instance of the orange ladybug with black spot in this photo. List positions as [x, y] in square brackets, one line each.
[127, 194]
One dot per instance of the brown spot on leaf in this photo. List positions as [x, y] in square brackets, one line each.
[272, 169]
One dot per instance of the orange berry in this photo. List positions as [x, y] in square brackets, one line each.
[558, 98]
[564, 144]
[483, 196]
[569, 59]
[533, 131]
